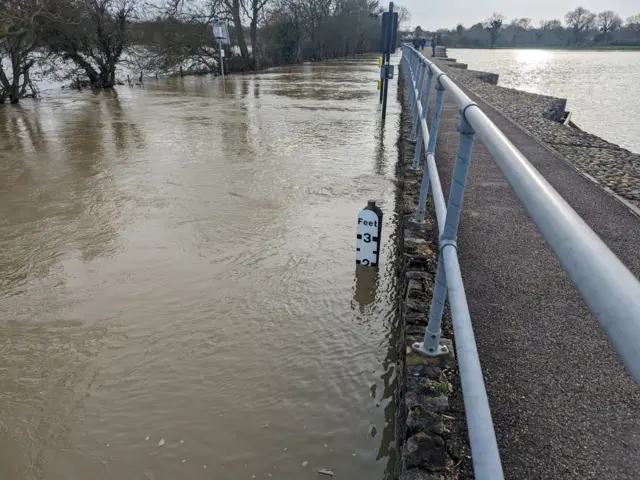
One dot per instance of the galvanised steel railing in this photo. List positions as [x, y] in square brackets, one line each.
[609, 289]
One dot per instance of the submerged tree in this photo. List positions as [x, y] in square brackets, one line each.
[20, 28]
[93, 34]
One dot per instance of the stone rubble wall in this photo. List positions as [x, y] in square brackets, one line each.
[431, 436]
[607, 163]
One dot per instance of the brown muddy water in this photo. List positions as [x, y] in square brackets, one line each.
[178, 291]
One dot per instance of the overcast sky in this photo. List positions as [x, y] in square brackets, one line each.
[433, 14]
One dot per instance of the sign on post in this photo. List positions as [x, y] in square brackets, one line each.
[368, 235]
[221, 32]
[389, 32]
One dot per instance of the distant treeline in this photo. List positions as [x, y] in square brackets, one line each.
[579, 28]
[87, 40]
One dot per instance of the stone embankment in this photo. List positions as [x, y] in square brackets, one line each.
[430, 424]
[608, 164]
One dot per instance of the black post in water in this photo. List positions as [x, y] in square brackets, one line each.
[381, 80]
[388, 46]
[384, 47]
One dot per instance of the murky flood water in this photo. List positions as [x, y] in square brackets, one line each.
[178, 268]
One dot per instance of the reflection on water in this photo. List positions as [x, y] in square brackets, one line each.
[178, 289]
[601, 87]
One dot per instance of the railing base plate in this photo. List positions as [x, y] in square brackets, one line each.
[419, 347]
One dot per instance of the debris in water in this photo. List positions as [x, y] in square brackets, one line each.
[285, 449]
[205, 466]
[147, 437]
[325, 445]
[328, 473]
[353, 455]
[161, 442]
[253, 476]
[184, 461]
[305, 463]
[181, 441]
[108, 445]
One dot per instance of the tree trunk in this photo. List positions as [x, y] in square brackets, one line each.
[242, 43]
[5, 86]
[14, 92]
[254, 38]
[254, 33]
[92, 75]
[26, 83]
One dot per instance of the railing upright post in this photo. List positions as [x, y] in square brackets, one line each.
[425, 110]
[419, 86]
[410, 85]
[431, 344]
[418, 218]
[414, 74]
[427, 97]
[435, 119]
[460, 171]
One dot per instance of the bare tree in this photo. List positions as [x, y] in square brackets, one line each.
[608, 21]
[177, 37]
[633, 24]
[253, 13]
[320, 29]
[519, 26]
[546, 27]
[20, 22]
[404, 18]
[580, 20]
[495, 25]
[232, 11]
[93, 36]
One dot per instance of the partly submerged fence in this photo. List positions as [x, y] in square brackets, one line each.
[609, 289]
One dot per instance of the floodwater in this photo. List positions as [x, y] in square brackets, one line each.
[178, 292]
[601, 87]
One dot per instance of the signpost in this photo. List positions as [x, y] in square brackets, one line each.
[387, 47]
[221, 33]
[368, 235]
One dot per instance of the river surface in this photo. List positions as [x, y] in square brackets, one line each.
[179, 295]
[601, 87]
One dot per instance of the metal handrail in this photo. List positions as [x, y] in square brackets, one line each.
[610, 290]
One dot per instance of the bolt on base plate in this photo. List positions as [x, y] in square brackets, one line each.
[417, 222]
[418, 347]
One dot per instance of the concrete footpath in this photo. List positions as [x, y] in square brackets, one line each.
[563, 405]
